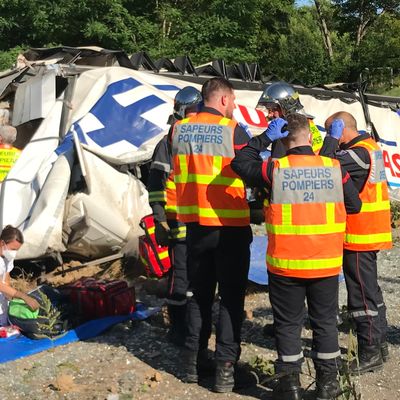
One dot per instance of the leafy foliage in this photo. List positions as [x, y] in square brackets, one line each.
[285, 39]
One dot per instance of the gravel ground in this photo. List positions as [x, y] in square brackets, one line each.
[135, 360]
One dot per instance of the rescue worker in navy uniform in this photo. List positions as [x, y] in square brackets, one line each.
[211, 200]
[366, 234]
[168, 230]
[280, 99]
[305, 214]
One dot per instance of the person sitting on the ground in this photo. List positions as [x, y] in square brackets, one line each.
[11, 239]
[8, 153]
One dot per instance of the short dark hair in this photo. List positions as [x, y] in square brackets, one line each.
[296, 123]
[9, 233]
[213, 85]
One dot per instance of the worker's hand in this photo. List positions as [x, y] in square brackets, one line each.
[277, 129]
[162, 233]
[336, 128]
[32, 303]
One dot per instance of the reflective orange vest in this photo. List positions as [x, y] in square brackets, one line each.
[370, 229]
[305, 218]
[8, 156]
[207, 189]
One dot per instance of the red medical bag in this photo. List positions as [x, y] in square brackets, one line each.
[95, 298]
[154, 257]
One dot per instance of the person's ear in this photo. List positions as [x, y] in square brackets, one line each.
[224, 100]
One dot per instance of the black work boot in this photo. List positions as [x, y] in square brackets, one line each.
[224, 380]
[327, 386]
[189, 361]
[385, 351]
[288, 388]
[369, 359]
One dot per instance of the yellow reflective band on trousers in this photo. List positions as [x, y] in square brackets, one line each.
[325, 263]
[158, 196]
[305, 229]
[369, 238]
[212, 212]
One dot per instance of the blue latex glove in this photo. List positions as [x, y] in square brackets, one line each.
[274, 130]
[336, 128]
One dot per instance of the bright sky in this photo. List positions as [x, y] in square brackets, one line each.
[303, 2]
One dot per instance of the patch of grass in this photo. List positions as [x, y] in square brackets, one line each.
[346, 381]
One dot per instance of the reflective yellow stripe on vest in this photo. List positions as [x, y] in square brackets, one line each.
[370, 238]
[305, 229]
[215, 178]
[370, 207]
[212, 212]
[325, 263]
[170, 184]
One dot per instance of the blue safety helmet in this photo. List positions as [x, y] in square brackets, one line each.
[187, 99]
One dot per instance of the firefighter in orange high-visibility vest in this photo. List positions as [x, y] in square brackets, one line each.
[8, 153]
[305, 215]
[366, 234]
[168, 230]
[211, 201]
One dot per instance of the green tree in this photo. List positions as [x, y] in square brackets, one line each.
[301, 53]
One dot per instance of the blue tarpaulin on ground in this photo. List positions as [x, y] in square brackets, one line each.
[20, 346]
[258, 268]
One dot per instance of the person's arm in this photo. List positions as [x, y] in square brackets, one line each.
[351, 196]
[355, 160]
[329, 147]
[12, 293]
[358, 170]
[248, 163]
[156, 184]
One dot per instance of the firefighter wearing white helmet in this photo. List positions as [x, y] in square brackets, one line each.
[281, 99]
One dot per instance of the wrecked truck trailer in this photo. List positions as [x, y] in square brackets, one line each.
[87, 125]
